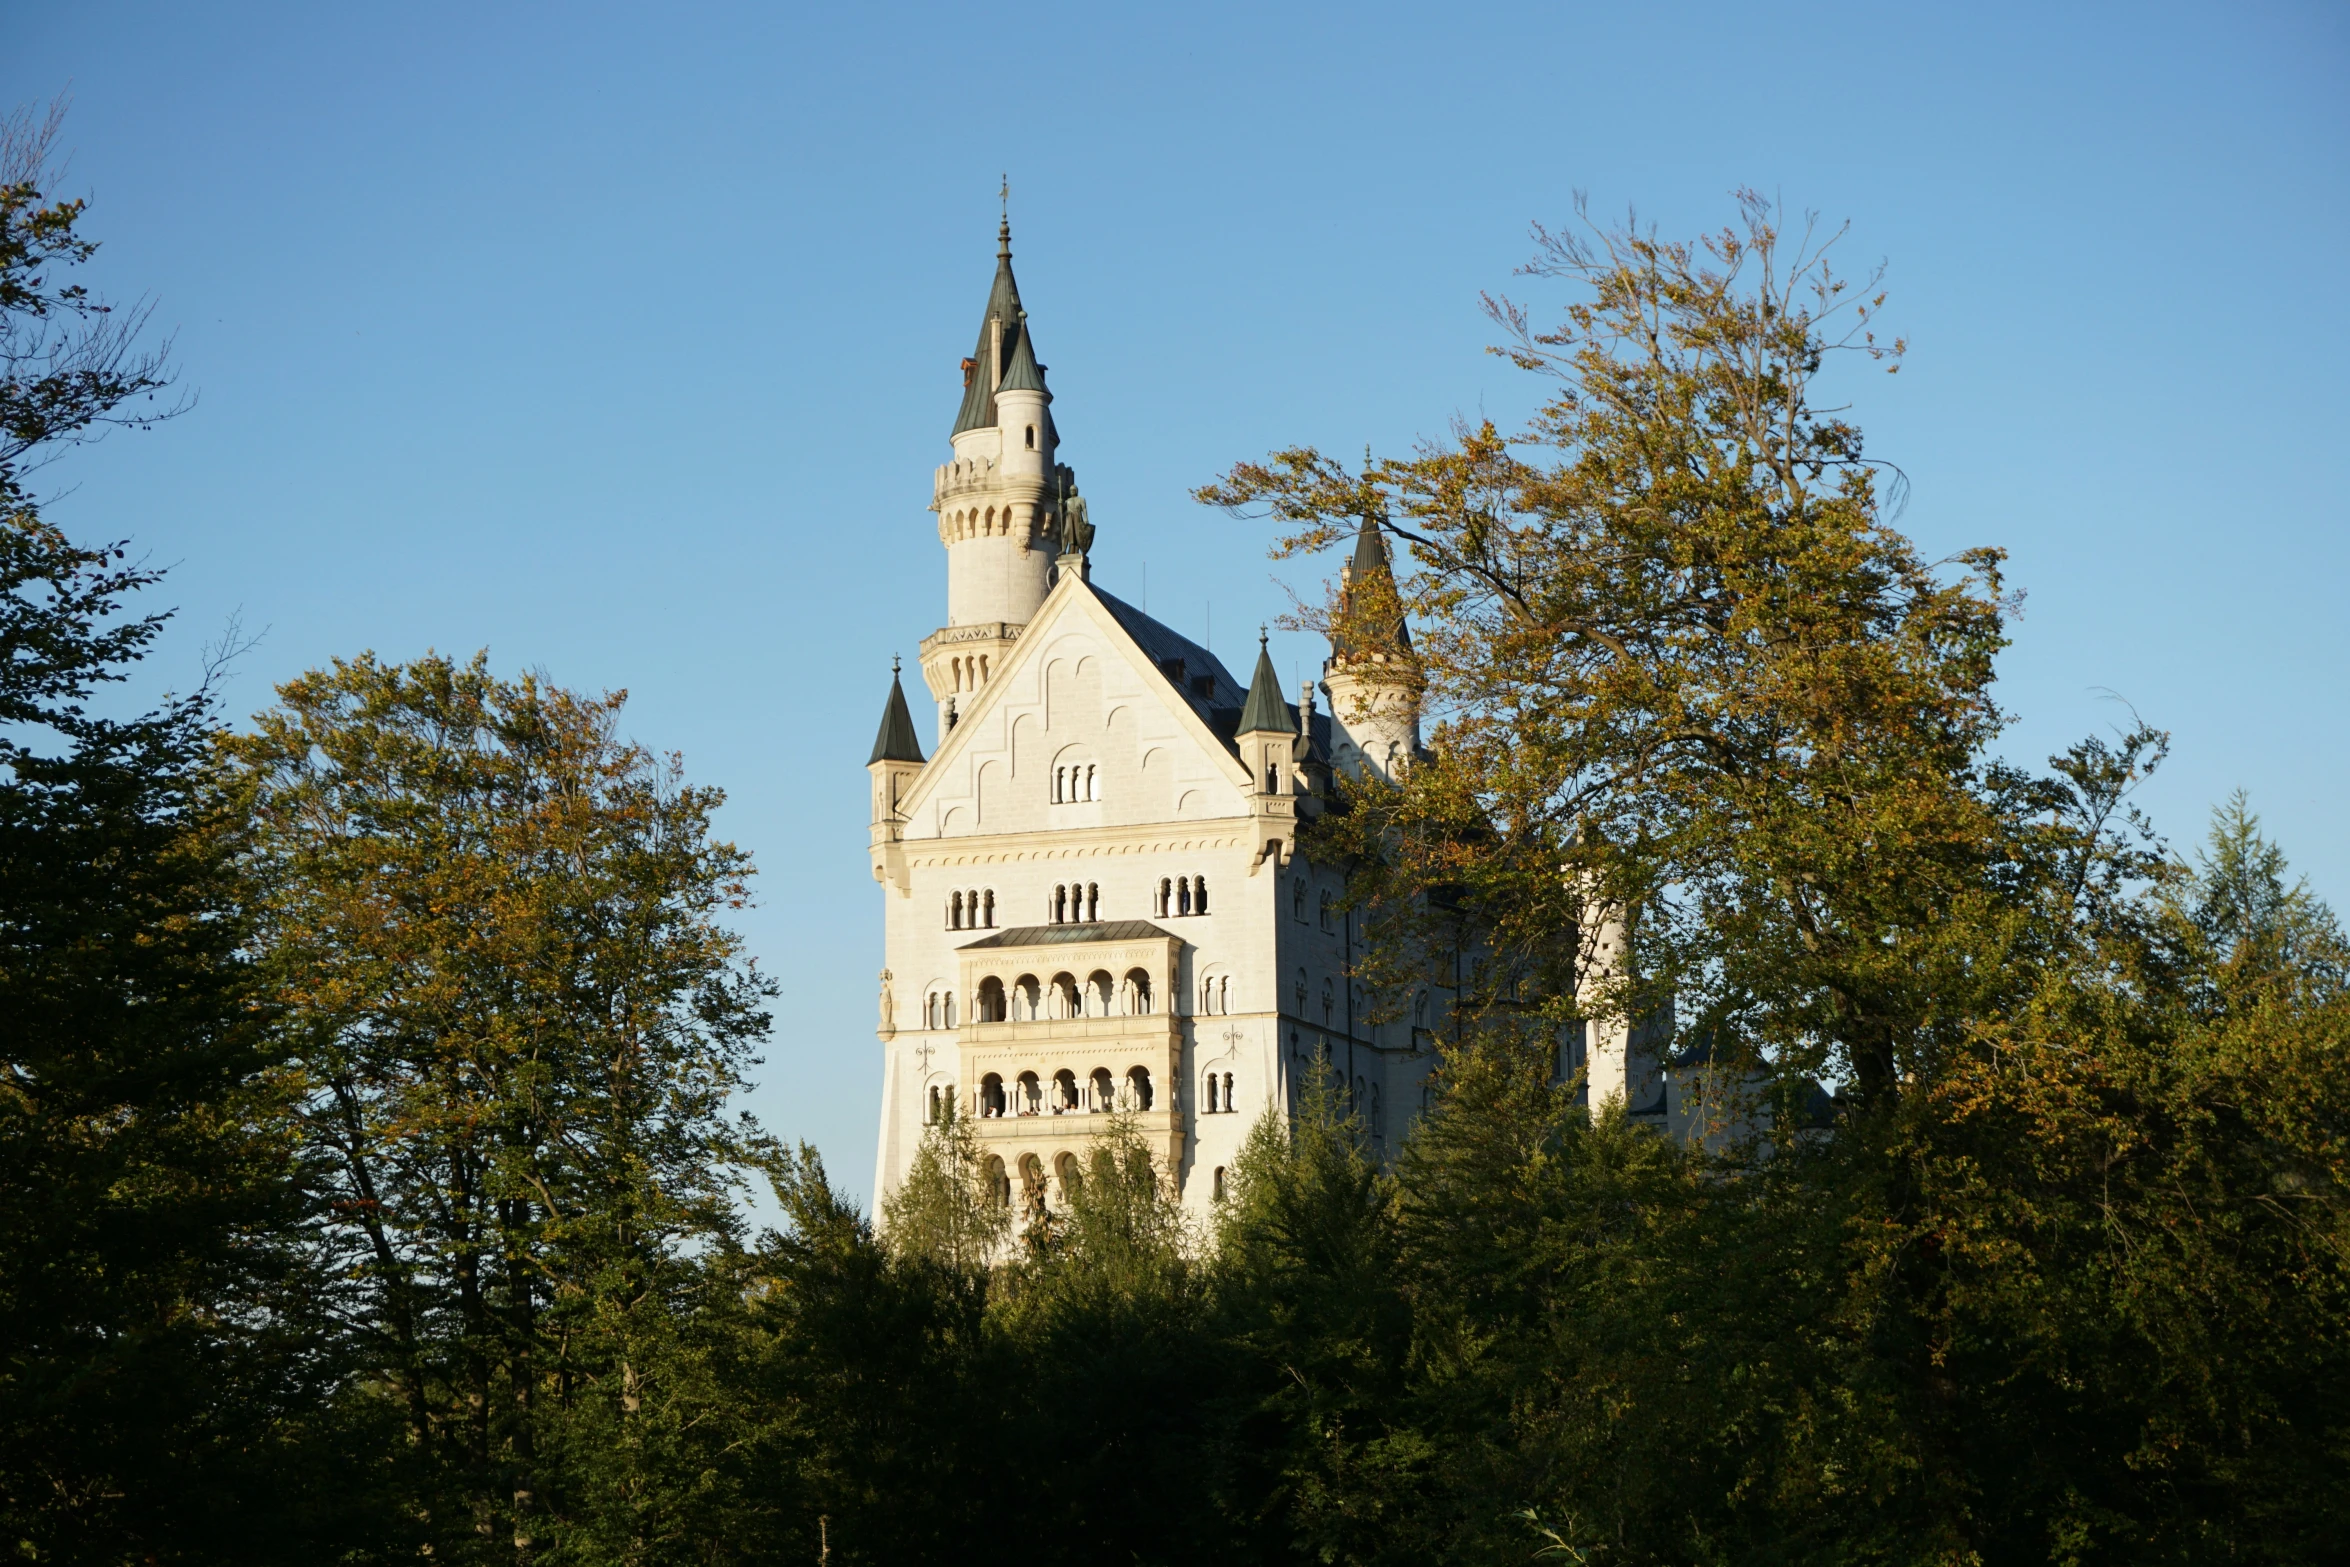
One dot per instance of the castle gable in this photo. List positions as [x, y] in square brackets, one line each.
[1100, 717]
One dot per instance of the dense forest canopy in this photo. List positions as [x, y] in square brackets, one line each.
[370, 1167]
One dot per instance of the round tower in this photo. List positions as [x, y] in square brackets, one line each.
[996, 501]
[1373, 678]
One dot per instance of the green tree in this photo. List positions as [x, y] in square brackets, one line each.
[494, 934]
[159, 1365]
[1686, 671]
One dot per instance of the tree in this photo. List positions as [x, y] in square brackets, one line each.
[492, 930]
[1683, 666]
[1689, 676]
[157, 1364]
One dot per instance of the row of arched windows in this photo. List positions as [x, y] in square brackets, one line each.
[973, 910]
[1297, 906]
[1215, 995]
[969, 672]
[1025, 1000]
[1030, 1094]
[1076, 903]
[1067, 1173]
[1181, 895]
[1216, 1094]
[1075, 782]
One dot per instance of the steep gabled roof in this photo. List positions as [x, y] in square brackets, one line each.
[897, 741]
[1211, 712]
[1197, 675]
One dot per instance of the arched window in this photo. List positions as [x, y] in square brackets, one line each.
[1166, 897]
[1065, 1001]
[1032, 1182]
[991, 1096]
[1229, 1105]
[1209, 1096]
[1135, 994]
[1101, 994]
[1066, 1172]
[1061, 905]
[1026, 999]
[955, 912]
[1326, 911]
[999, 1184]
[1219, 1186]
[1029, 1099]
[1199, 895]
[1138, 1087]
[1297, 900]
[1301, 992]
[1032, 437]
[1060, 777]
[950, 1009]
[1329, 1002]
[1093, 901]
[987, 910]
[932, 1116]
[1104, 1091]
[1378, 1116]
[1183, 895]
[1064, 1091]
[991, 1007]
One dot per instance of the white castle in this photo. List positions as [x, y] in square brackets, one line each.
[1095, 898]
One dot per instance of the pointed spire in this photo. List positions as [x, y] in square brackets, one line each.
[897, 741]
[1023, 373]
[1372, 568]
[1002, 321]
[1265, 712]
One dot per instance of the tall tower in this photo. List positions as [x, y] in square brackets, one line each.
[1373, 677]
[998, 501]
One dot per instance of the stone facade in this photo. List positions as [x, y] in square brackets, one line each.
[1094, 898]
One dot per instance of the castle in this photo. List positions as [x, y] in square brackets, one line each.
[1095, 899]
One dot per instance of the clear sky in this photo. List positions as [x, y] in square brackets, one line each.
[622, 340]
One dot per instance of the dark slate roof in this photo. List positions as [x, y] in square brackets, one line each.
[1068, 935]
[1265, 712]
[1372, 562]
[897, 741]
[1194, 671]
[1024, 374]
[1003, 304]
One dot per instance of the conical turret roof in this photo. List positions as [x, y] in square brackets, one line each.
[1003, 345]
[897, 741]
[1373, 568]
[1265, 712]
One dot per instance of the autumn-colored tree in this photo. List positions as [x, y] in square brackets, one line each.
[1687, 673]
[494, 933]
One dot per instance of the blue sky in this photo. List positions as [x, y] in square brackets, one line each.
[622, 341]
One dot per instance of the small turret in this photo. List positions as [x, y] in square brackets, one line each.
[895, 763]
[1373, 676]
[1267, 742]
[1268, 733]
